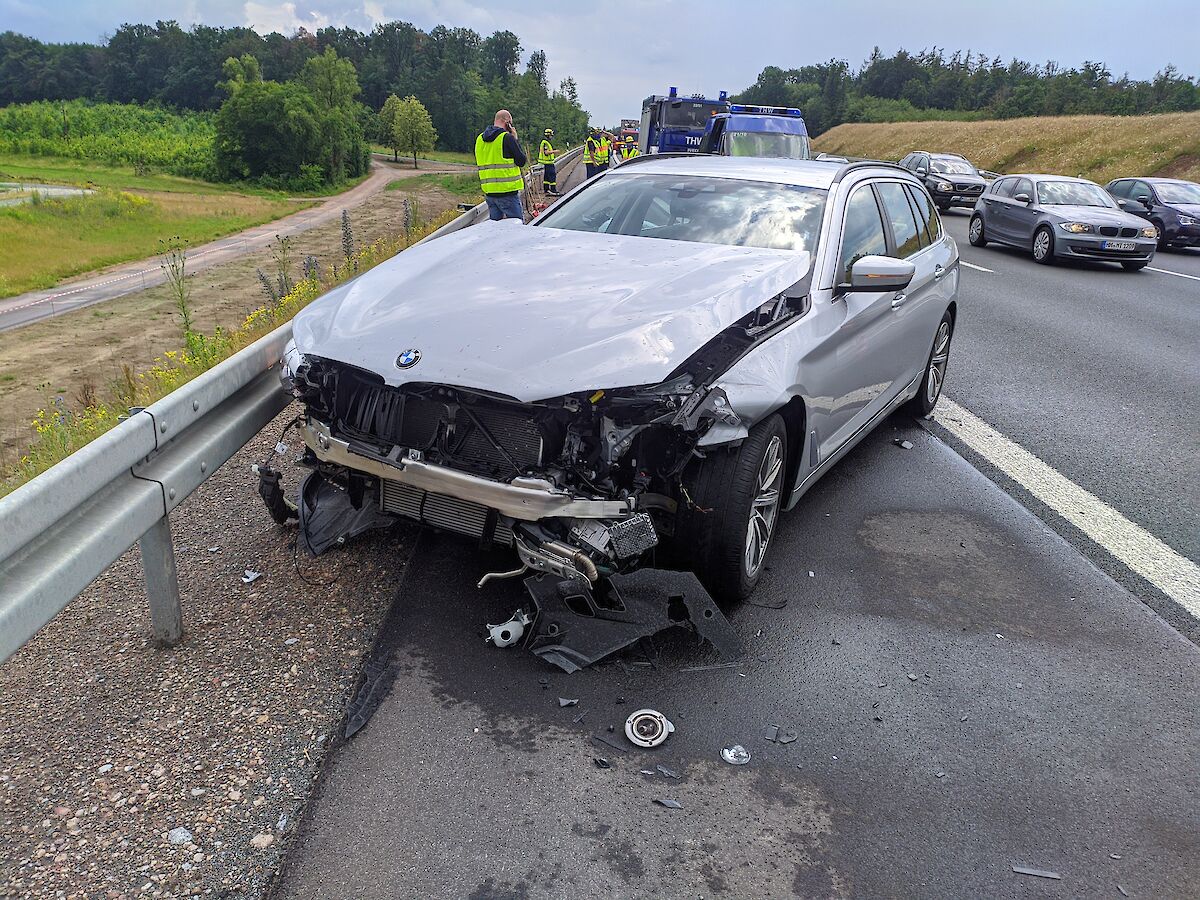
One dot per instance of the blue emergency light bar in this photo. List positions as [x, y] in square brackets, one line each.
[765, 110]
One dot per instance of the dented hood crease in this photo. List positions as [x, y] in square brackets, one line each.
[535, 313]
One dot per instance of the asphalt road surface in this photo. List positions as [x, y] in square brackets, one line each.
[1031, 712]
[127, 278]
[983, 673]
[1096, 372]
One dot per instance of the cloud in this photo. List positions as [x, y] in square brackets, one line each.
[281, 17]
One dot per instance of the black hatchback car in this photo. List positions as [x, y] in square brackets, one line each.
[950, 179]
[1170, 204]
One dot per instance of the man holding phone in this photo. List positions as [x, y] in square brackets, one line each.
[500, 159]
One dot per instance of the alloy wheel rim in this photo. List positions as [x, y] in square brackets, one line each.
[976, 229]
[764, 509]
[937, 364]
[1041, 245]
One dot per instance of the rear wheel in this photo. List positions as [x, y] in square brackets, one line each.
[975, 234]
[727, 529]
[1043, 246]
[935, 369]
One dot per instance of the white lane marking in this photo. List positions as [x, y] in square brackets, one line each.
[973, 266]
[1168, 272]
[1131, 544]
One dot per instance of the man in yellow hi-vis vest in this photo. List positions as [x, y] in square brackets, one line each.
[603, 150]
[589, 152]
[499, 158]
[546, 154]
[628, 149]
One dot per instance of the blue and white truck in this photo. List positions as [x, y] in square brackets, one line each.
[771, 131]
[676, 124]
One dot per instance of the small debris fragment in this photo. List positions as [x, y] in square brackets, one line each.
[648, 728]
[250, 576]
[1114, 856]
[669, 804]
[771, 733]
[601, 762]
[669, 773]
[940, 775]
[1037, 873]
[882, 684]
[836, 642]
[198, 792]
[282, 824]
[291, 641]
[544, 682]
[963, 719]
[731, 665]
[879, 718]
[1124, 893]
[788, 736]
[262, 841]
[601, 738]
[912, 677]
[737, 755]
[647, 771]
[214, 549]
[107, 767]
[620, 701]
[812, 574]
[177, 837]
[563, 701]
[579, 718]
[999, 636]
[904, 445]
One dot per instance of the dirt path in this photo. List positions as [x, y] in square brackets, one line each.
[131, 277]
[86, 348]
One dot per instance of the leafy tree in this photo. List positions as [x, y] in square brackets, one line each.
[332, 80]
[412, 128]
[267, 128]
[501, 53]
[387, 121]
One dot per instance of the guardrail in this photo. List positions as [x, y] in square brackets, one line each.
[59, 532]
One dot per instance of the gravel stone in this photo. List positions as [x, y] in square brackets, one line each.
[179, 836]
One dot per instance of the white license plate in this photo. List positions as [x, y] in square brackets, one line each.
[1118, 245]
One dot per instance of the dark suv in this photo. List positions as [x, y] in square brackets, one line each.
[1170, 204]
[950, 178]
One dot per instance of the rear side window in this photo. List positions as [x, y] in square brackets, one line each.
[863, 231]
[900, 218]
[927, 219]
[1120, 188]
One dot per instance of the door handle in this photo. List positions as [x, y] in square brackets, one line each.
[938, 272]
[898, 300]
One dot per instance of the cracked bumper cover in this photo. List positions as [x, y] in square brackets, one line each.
[525, 499]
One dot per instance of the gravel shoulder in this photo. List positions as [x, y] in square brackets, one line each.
[127, 769]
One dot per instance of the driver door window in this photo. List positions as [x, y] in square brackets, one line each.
[863, 234]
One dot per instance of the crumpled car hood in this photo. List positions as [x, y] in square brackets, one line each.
[535, 313]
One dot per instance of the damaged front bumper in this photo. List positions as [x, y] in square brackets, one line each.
[524, 499]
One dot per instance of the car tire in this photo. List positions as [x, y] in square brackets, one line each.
[943, 207]
[1162, 235]
[976, 236]
[1043, 246]
[935, 369]
[722, 511]
[1134, 266]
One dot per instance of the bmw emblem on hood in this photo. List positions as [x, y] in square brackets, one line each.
[408, 358]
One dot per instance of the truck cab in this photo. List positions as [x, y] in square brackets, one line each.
[777, 132]
[676, 124]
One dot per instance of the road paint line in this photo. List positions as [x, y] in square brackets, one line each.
[973, 266]
[1131, 544]
[1169, 272]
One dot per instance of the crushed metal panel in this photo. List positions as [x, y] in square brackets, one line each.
[574, 628]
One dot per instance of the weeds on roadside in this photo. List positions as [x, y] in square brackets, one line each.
[347, 237]
[174, 266]
[60, 430]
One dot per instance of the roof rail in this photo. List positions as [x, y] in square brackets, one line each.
[867, 164]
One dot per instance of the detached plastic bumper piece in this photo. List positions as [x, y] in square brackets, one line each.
[574, 627]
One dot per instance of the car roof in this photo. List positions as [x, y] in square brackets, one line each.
[942, 155]
[1153, 180]
[814, 173]
[1034, 176]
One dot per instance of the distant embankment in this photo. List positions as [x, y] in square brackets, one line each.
[1097, 147]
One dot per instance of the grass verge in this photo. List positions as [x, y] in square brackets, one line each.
[1097, 147]
[446, 156]
[48, 240]
[465, 185]
[61, 428]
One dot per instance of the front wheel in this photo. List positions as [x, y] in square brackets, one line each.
[1043, 247]
[935, 369]
[733, 499]
[975, 234]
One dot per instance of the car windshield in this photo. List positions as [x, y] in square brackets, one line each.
[695, 208]
[1072, 193]
[689, 114]
[771, 144]
[1182, 192]
[952, 167]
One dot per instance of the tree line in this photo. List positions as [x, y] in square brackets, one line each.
[963, 85]
[460, 77]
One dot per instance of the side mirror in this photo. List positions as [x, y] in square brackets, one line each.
[922, 171]
[1121, 202]
[879, 273]
[1145, 201]
[1021, 198]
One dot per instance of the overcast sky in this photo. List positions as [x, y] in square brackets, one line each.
[621, 51]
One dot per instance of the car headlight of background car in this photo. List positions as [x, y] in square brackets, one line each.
[945, 186]
[1188, 220]
[1076, 227]
[1150, 232]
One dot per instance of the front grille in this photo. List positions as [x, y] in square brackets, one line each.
[442, 511]
[969, 188]
[1092, 250]
[1129, 232]
[1109, 230]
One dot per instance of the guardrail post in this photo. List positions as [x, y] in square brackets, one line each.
[162, 583]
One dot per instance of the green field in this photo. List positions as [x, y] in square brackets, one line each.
[465, 185]
[49, 240]
[446, 156]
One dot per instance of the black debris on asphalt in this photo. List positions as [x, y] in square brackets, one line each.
[601, 763]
